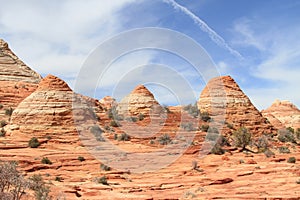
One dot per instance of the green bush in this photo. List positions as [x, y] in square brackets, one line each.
[141, 117]
[124, 137]
[204, 128]
[97, 132]
[242, 137]
[114, 123]
[3, 123]
[104, 167]
[58, 178]
[291, 160]
[290, 129]
[164, 139]
[192, 110]
[297, 133]
[34, 143]
[131, 119]
[188, 126]
[46, 160]
[9, 111]
[286, 135]
[115, 136]
[205, 116]
[81, 159]
[268, 153]
[284, 149]
[2, 132]
[217, 150]
[262, 143]
[230, 126]
[38, 185]
[102, 180]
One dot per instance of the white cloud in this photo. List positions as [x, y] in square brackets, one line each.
[278, 63]
[58, 34]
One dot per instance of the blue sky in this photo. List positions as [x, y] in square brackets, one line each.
[58, 36]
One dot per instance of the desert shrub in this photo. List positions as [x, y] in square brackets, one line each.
[262, 143]
[105, 167]
[102, 180]
[1, 106]
[204, 128]
[291, 160]
[3, 123]
[297, 133]
[268, 153]
[205, 116]
[141, 117]
[131, 119]
[9, 111]
[38, 185]
[230, 126]
[81, 159]
[217, 150]
[2, 132]
[34, 143]
[112, 112]
[212, 136]
[12, 183]
[58, 178]
[166, 109]
[115, 136]
[97, 132]
[285, 135]
[164, 139]
[124, 137]
[151, 142]
[192, 110]
[290, 129]
[242, 137]
[46, 160]
[114, 123]
[284, 149]
[188, 126]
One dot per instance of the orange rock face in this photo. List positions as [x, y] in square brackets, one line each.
[108, 102]
[223, 98]
[283, 114]
[17, 80]
[140, 100]
[48, 110]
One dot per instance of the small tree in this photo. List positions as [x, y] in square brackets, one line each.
[12, 183]
[242, 138]
[41, 190]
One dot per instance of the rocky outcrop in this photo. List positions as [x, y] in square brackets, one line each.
[223, 98]
[283, 114]
[108, 102]
[17, 80]
[50, 110]
[140, 100]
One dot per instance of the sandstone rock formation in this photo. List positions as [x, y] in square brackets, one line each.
[17, 80]
[108, 102]
[222, 97]
[140, 100]
[49, 110]
[283, 114]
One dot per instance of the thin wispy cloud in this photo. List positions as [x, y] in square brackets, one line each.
[205, 28]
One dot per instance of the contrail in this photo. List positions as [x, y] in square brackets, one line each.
[204, 27]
